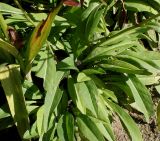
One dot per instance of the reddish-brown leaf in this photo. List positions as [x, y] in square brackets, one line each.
[71, 3]
[15, 38]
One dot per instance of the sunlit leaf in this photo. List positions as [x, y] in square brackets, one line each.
[142, 96]
[122, 66]
[89, 129]
[52, 99]
[93, 20]
[105, 51]
[139, 6]
[82, 77]
[11, 84]
[40, 120]
[50, 105]
[144, 56]
[73, 94]
[9, 48]
[67, 64]
[9, 9]
[65, 128]
[130, 125]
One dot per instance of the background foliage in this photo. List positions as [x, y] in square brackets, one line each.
[67, 67]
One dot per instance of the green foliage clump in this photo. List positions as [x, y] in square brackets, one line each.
[67, 67]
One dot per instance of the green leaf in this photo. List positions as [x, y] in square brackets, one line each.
[31, 91]
[154, 4]
[87, 96]
[139, 6]
[144, 56]
[89, 129]
[9, 48]
[32, 133]
[6, 123]
[11, 84]
[104, 128]
[51, 102]
[13, 51]
[139, 63]
[88, 11]
[141, 96]
[65, 128]
[49, 135]
[116, 37]
[62, 107]
[83, 95]
[9, 9]
[93, 20]
[73, 94]
[93, 91]
[82, 77]
[4, 111]
[32, 109]
[122, 66]
[130, 125]
[53, 97]
[61, 129]
[149, 80]
[47, 70]
[103, 121]
[67, 64]
[101, 52]
[94, 70]
[158, 88]
[40, 113]
[70, 126]
[152, 55]
[109, 94]
[98, 81]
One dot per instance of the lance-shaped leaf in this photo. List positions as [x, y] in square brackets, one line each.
[123, 66]
[9, 48]
[127, 121]
[145, 56]
[40, 35]
[53, 97]
[11, 83]
[138, 6]
[6, 8]
[143, 100]
[65, 128]
[101, 52]
[84, 96]
[89, 129]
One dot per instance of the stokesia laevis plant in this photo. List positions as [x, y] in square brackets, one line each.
[81, 64]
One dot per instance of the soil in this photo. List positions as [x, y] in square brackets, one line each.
[149, 130]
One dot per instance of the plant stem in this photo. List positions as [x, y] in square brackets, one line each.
[24, 12]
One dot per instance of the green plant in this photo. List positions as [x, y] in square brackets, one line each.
[73, 75]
